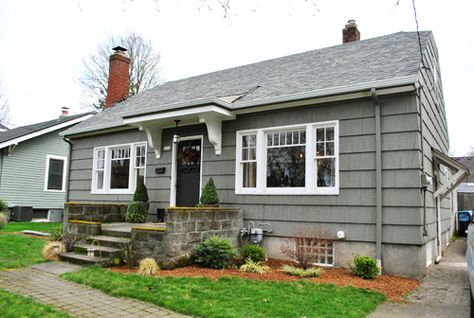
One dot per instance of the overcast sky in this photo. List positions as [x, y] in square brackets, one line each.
[43, 43]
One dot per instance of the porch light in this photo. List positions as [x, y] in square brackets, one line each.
[176, 136]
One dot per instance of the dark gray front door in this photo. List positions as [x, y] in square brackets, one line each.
[188, 173]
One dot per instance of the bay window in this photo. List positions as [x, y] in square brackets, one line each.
[297, 159]
[118, 168]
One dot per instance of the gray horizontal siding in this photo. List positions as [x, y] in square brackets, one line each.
[23, 174]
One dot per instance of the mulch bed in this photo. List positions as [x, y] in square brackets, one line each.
[394, 287]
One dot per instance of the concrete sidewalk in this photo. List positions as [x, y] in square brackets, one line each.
[42, 283]
[444, 290]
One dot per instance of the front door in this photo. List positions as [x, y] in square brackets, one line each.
[188, 176]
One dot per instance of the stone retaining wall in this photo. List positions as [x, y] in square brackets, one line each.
[103, 212]
[185, 227]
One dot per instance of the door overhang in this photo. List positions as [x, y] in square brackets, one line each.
[153, 124]
[458, 170]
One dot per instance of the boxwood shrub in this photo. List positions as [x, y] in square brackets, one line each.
[214, 252]
[365, 267]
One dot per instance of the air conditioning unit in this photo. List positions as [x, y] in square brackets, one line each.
[21, 213]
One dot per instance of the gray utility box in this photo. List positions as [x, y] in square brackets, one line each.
[55, 215]
[21, 213]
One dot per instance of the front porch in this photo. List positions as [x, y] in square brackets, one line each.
[171, 242]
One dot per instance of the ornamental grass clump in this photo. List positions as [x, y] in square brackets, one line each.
[254, 267]
[252, 252]
[214, 252]
[148, 267]
[137, 210]
[53, 249]
[209, 194]
[3, 220]
[301, 272]
[365, 267]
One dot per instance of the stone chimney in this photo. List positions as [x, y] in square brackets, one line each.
[350, 33]
[119, 66]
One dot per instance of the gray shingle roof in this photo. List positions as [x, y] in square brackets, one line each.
[29, 129]
[386, 57]
[3, 127]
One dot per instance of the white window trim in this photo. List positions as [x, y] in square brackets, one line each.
[311, 187]
[132, 169]
[63, 186]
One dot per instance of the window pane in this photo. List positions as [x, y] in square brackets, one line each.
[249, 174]
[296, 139]
[55, 176]
[100, 179]
[302, 137]
[119, 174]
[320, 149]
[289, 140]
[252, 154]
[329, 133]
[140, 175]
[269, 140]
[286, 167]
[245, 154]
[330, 148]
[320, 134]
[326, 172]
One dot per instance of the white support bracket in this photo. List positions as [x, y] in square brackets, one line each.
[214, 130]
[153, 134]
[460, 172]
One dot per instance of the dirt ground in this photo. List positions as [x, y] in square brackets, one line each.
[393, 287]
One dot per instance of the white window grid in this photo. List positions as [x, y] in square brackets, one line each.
[325, 254]
[103, 156]
[262, 144]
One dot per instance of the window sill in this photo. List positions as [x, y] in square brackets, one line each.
[112, 192]
[286, 191]
[54, 191]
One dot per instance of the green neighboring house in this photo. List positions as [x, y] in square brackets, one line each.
[33, 164]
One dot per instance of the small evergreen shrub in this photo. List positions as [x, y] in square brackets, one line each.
[148, 267]
[252, 252]
[214, 252]
[3, 220]
[209, 194]
[301, 272]
[136, 212]
[3, 206]
[365, 267]
[53, 249]
[141, 192]
[254, 267]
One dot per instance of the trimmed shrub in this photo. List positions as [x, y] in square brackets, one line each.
[252, 252]
[53, 249]
[136, 212]
[301, 272]
[365, 267]
[148, 267]
[3, 206]
[254, 267]
[209, 194]
[3, 220]
[141, 192]
[214, 252]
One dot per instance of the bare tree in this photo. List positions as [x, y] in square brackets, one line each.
[145, 71]
[4, 108]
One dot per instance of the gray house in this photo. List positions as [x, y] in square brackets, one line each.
[352, 138]
[33, 164]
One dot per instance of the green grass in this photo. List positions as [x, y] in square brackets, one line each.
[14, 306]
[234, 297]
[19, 251]
[34, 226]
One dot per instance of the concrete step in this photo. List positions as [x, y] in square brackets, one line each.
[110, 241]
[116, 233]
[84, 259]
[99, 250]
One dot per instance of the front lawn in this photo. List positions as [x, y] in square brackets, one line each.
[19, 251]
[234, 297]
[33, 226]
[13, 306]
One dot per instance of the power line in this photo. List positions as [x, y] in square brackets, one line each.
[419, 37]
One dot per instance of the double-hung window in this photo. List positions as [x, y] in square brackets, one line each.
[55, 177]
[118, 168]
[297, 159]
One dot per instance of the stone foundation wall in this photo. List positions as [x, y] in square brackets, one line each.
[81, 229]
[103, 212]
[185, 227]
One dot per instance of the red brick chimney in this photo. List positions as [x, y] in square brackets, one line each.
[350, 33]
[117, 89]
